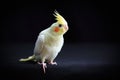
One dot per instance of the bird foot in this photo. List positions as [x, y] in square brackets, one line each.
[43, 65]
[53, 63]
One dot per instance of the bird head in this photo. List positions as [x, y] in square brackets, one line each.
[60, 27]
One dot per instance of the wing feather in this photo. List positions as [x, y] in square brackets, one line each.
[39, 44]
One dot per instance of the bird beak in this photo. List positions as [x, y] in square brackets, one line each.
[66, 27]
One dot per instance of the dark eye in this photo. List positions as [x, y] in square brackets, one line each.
[60, 25]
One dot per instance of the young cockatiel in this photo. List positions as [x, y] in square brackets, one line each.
[49, 42]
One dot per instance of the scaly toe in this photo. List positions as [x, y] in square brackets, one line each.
[44, 65]
[53, 63]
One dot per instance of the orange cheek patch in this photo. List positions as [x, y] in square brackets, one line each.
[56, 29]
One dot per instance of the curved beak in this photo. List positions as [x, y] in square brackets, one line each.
[66, 27]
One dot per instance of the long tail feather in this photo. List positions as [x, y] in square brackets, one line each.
[27, 59]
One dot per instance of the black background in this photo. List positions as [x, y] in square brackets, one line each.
[91, 44]
[91, 21]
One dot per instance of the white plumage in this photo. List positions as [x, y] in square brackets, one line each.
[47, 46]
[49, 42]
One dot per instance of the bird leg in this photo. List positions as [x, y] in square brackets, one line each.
[53, 63]
[43, 66]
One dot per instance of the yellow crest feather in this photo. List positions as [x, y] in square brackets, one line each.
[59, 18]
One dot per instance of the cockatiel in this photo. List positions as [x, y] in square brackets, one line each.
[49, 42]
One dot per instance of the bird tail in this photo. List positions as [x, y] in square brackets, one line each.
[30, 58]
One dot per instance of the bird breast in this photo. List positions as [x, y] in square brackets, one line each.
[54, 44]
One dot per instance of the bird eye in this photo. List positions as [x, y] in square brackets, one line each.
[60, 25]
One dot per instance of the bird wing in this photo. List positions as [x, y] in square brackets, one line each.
[39, 44]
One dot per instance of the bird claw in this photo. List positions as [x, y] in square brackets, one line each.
[53, 63]
[43, 65]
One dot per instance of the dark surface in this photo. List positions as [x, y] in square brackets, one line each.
[85, 61]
